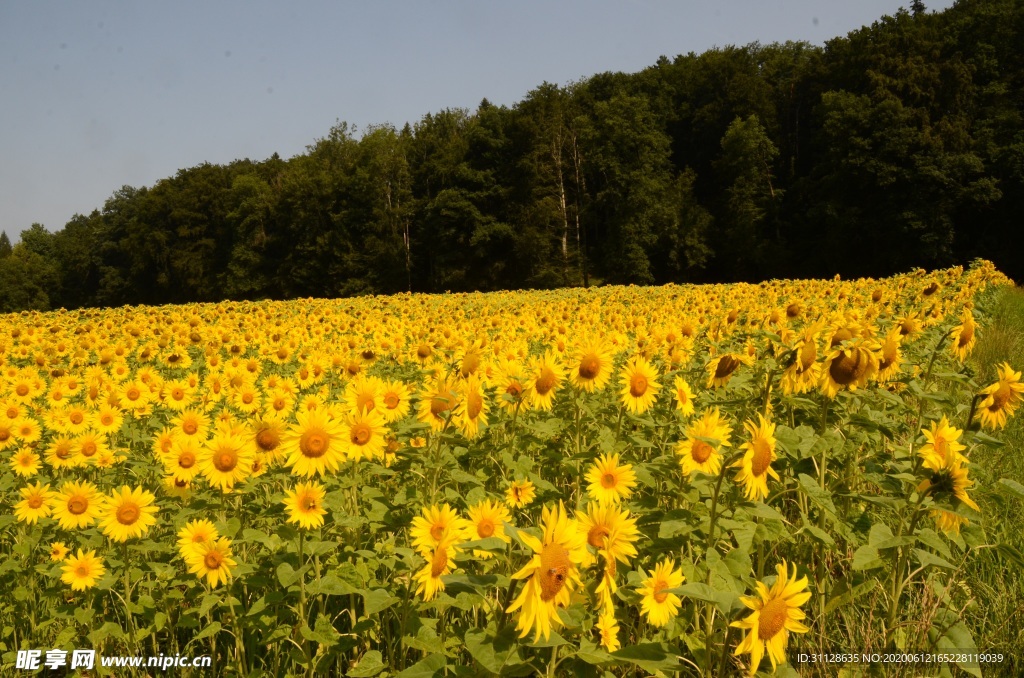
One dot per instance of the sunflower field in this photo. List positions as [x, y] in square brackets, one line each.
[683, 480]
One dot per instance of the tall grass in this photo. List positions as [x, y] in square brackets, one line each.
[997, 574]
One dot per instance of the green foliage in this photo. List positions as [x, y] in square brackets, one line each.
[901, 141]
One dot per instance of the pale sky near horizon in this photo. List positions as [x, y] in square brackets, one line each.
[95, 95]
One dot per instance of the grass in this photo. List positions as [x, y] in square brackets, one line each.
[995, 578]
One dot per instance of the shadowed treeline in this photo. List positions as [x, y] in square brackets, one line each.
[900, 145]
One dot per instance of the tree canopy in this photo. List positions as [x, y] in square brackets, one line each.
[899, 145]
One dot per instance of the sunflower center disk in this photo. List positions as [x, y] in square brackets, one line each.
[554, 567]
[474, 404]
[726, 366]
[267, 440]
[187, 460]
[225, 461]
[437, 531]
[609, 481]
[589, 367]
[35, 502]
[88, 449]
[660, 595]
[1000, 398]
[78, 505]
[313, 444]
[485, 529]
[772, 618]
[212, 560]
[438, 562]
[307, 504]
[701, 451]
[762, 457]
[596, 536]
[128, 514]
[360, 434]
[391, 401]
[545, 382]
[637, 385]
[439, 405]
[846, 369]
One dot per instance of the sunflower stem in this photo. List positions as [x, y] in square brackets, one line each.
[618, 424]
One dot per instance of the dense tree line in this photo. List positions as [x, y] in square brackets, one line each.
[899, 145]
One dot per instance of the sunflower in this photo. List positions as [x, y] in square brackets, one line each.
[721, 369]
[551, 575]
[437, 403]
[889, 359]
[182, 462]
[511, 387]
[1003, 398]
[756, 464]
[305, 505]
[965, 336]
[394, 398]
[593, 365]
[365, 435]
[608, 627]
[487, 519]
[435, 525]
[546, 375]
[849, 366]
[214, 561]
[947, 481]
[7, 438]
[195, 534]
[683, 396]
[362, 394]
[34, 503]
[776, 612]
[471, 413]
[697, 452]
[439, 563]
[804, 373]
[190, 423]
[315, 445]
[61, 453]
[658, 604]
[639, 385]
[225, 460]
[610, 531]
[58, 551]
[520, 493]
[128, 514]
[25, 463]
[608, 482]
[76, 505]
[943, 443]
[82, 570]
[264, 434]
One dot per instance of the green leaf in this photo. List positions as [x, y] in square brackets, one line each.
[927, 559]
[286, 574]
[370, 664]
[842, 594]
[958, 638]
[496, 544]
[819, 534]
[330, 585]
[1013, 487]
[376, 600]
[493, 652]
[428, 667]
[209, 600]
[210, 630]
[818, 495]
[650, 657]
[554, 640]
[866, 558]
[323, 632]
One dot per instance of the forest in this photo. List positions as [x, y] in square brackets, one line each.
[900, 145]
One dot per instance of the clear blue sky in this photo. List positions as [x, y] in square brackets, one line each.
[95, 95]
